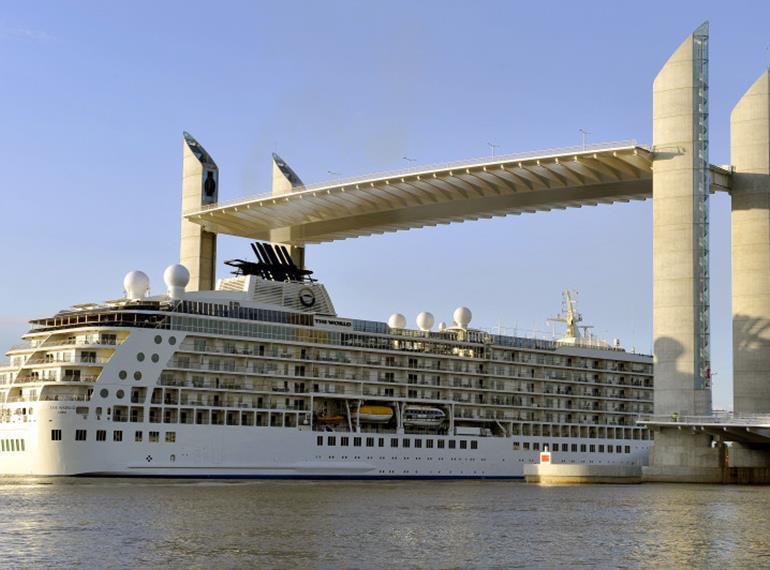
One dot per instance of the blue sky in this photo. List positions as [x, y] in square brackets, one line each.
[95, 96]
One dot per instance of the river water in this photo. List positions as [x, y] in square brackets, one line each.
[113, 523]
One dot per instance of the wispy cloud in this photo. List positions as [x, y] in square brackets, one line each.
[24, 34]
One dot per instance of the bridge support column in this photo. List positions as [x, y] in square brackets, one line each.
[200, 187]
[750, 150]
[680, 189]
[680, 231]
[284, 181]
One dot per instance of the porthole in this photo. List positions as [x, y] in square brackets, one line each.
[104, 392]
[140, 357]
[120, 394]
[158, 339]
[155, 358]
[122, 374]
[172, 340]
[137, 375]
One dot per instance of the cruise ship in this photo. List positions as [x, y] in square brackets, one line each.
[261, 378]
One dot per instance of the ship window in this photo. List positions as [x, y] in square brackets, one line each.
[369, 442]
[137, 375]
[120, 394]
[582, 447]
[155, 358]
[418, 443]
[332, 440]
[628, 449]
[555, 447]
[601, 449]
[101, 435]
[158, 339]
[452, 444]
[137, 436]
[172, 340]
[55, 435]
[407, 442]
[515, 445]
[440, 444]
[2, 445]
[381, 442]
[117, 435]
[140, 357]
[104, 392]
[122, 374]
[429, 443]
[618, 449]
[154, 437]
[574, 447]
[592, 448]
[356, 442]
[319, 440]
[474, 444]
[526, 445]
[344, 441]
[609, 449]
[393, 442]
[536, 446]
[21, 442]
[170, 437]
[463, 444]
[80, 435]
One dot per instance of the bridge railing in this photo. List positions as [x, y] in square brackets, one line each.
[718, 418]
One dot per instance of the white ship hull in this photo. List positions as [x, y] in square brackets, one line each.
[266, 452]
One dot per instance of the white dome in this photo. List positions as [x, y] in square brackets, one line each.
[176, 276]
[136, 284]
[397, 321]
[425, 321]
[442, 326]
[462, 317]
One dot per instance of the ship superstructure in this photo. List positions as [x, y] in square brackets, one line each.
[262, 378]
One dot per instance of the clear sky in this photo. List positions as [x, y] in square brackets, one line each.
[94, 97]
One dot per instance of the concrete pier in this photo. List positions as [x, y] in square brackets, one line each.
[750, 216]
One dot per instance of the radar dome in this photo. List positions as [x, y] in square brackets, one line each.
[176, 277]
[462, 317]
[442, 326]
[425, 321]
[136, 285]
[397, 321]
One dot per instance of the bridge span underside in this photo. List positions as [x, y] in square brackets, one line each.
[471, 190]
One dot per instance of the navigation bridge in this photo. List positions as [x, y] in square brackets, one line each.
[675, 171]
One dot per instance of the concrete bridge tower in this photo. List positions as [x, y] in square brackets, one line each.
[285, 180]
[750, 150]
[680, 188]
[200, 187]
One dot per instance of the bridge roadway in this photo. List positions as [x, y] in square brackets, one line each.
[748, 430]
[428, 196]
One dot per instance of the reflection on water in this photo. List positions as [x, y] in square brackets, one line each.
[118, 523]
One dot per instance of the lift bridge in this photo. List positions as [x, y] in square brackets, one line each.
[675, 172]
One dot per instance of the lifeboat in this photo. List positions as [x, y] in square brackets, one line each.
[373, 414]
[426, 416]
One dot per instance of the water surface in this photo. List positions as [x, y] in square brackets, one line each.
[112, 523]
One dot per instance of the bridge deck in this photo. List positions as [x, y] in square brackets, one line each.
[428, 196]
